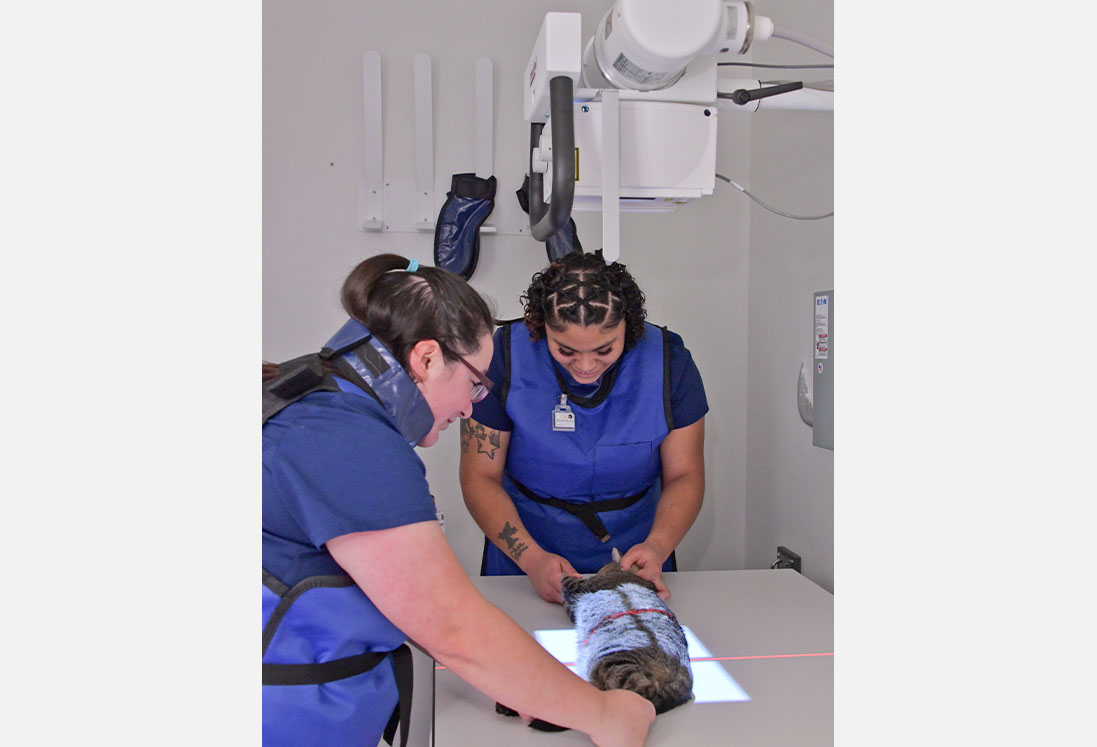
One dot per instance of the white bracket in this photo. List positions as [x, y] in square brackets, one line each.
[424, 146]
[611, 176]
[485, 112]
[803, 399]
[371, 205]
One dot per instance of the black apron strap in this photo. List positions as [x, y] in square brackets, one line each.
[585, 512]
[402, 667]
[305, 375]
[295, 379]
[504, 387]
[338, 669]
[668, 407]
[318, 674]
[330, 671]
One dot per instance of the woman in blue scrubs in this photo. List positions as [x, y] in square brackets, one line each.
[595, 438]
[354, 560]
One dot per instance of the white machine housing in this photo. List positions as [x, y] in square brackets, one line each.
[646, 106]
[661, 58]
[678, 162]
[645, 45]
[557, 52]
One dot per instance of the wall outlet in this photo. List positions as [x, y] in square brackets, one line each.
[786, 558]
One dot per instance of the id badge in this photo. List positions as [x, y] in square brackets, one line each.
[563, 419]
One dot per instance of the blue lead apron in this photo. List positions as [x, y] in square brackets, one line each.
[610, 462]
[335, 670]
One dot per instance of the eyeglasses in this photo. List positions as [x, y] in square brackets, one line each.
[483, 387]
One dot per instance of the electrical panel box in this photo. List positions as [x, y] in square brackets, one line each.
[823, 376]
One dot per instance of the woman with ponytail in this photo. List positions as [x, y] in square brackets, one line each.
[354, 560]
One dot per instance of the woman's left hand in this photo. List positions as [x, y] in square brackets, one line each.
[646, 561]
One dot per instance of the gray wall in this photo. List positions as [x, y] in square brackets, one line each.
[789, 482]
[727, 275]
[730, 278]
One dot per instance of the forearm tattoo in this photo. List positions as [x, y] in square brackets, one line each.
[486, 441]
[514, 545]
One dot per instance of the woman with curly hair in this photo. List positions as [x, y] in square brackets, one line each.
[594, 438]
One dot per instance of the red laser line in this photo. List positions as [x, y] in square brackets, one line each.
[764, 656]
[616, 615]
[728, 658]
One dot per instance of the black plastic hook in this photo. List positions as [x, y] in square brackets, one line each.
[743, 96]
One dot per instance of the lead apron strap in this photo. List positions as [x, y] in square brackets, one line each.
[585, 512]
[330, 671]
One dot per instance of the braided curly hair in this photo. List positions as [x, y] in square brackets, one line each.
[582, 289]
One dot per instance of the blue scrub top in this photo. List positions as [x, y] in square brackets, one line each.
[334, 463]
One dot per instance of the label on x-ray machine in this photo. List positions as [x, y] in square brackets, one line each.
[822, 327]
[822, 430]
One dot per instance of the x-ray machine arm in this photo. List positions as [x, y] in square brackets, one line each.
[644, 87]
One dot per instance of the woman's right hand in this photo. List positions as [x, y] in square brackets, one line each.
[546, 572]
[625, 721]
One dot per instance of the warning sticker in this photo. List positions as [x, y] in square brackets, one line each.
[822, 327]
[639, 75]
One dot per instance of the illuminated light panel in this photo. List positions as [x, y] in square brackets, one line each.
[711, 682]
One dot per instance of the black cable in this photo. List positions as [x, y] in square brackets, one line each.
[770, 208]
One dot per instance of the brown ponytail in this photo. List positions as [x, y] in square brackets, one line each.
[401, 308]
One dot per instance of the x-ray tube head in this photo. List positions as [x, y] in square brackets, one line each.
[645, 45]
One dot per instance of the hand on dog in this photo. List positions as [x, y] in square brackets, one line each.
[646, 561]
[546, 573]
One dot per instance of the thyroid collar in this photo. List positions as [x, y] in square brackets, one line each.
[355, 346]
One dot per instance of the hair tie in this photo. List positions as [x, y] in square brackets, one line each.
[413, 265]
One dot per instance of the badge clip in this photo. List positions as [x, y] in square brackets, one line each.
[563, 419]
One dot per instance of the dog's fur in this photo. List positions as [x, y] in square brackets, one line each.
[628, 638]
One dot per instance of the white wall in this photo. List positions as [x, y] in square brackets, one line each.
[790, 483]
[692, 264]
[728, 277]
